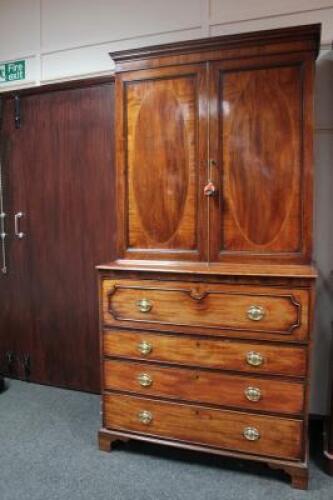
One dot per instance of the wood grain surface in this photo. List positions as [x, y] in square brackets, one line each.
[279, 437]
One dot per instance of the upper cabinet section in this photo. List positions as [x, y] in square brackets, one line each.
[214, 148]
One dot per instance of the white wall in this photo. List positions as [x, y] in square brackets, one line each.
[66, 39]
[323, 234]
[71, 38]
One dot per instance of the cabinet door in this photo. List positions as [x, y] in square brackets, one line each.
[261, 137]
[161, 163]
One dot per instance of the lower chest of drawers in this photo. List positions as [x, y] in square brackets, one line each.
[230, 373]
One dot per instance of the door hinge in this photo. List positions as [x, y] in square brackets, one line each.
[10, 360]
[17, 101]
[26, 366]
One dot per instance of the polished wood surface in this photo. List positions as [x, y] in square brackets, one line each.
[223, 354]
[279, 437]
[197, 125]
[202, 386]
[264, 178]
[206, 307]
[180, 378]
[59, 172]
[221, 128]
[266, 42]
[260, 159]
[218, 269]
[160, 145]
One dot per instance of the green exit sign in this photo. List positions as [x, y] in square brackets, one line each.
[12, 71]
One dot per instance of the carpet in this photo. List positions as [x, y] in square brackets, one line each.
[48, 451]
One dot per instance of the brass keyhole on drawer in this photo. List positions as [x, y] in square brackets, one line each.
[144, 347]
[251, 434]
[255, 313]
[145, 417]
[253, 393]
[144, 379]
[254, 358]
[144, 305]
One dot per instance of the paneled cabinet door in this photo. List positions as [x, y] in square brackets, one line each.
[162, 163]
[261, 139]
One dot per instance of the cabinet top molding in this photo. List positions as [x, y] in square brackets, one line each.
[293, 39]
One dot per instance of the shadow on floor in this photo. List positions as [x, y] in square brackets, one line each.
[232, 464]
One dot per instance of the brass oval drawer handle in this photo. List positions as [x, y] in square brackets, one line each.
[254, 358]
[253, 393]
[144, 305]
[145, 417]
[251, 434]
[144, 379]
[144, 347]
[255, 313]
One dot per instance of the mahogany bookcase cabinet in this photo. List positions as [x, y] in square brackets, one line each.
[206, 315]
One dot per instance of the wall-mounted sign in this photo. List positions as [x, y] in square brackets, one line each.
[12, 71]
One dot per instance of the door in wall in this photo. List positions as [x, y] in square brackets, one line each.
[59, 174]
[16, 309]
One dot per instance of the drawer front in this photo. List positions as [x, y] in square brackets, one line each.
[210, 353]
[248, 433]
[208, 307]
[202, 386]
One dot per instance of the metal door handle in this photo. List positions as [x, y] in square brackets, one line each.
[17, 217]
[3, 243]
[2, 225]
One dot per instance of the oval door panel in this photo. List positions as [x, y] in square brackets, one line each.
[261, 151]
[160, 172]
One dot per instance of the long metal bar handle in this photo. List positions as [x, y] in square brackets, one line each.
[3, 234]
[17, 217]
[3, 243]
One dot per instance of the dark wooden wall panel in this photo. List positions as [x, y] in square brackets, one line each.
[59, 173]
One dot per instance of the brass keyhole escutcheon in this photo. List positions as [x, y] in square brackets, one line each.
[210, 189]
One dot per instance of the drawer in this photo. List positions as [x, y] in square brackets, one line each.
[243, 432]
[207, 352]
[206, 308]
[203, 386]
